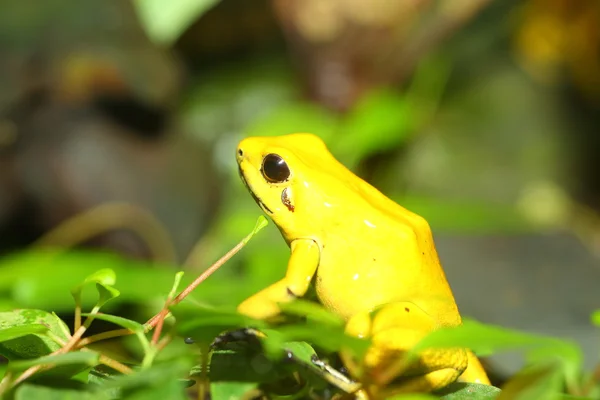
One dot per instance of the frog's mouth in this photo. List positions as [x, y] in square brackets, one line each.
[254, 196]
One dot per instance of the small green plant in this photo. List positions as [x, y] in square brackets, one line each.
[47, 361]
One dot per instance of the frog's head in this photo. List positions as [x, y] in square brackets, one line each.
[282, 174]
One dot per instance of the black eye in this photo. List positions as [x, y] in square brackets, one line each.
[275, 169]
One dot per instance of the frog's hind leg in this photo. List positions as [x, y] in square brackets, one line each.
[394, 329]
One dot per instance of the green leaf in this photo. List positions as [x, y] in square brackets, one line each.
[106, 293]
[460, 391]
[313, 311]
[104, 276]
[35, 392]
[37, 342]
[176, 284]
[261, 222]
[538, 382]
[19, 331]
[79, 358]
[205, 324]
[381, 120]
[156, 375]
[133, 326]
[164, 21]
[302, 351]
[104, 280]
[170, 389]
[294, 118]
[243, 362]
[124, 322]
[596, 318]
[326, 337]
[302, 354]
[44, 278]
[465, 216]
[488, 339]
[231, 390]
[415, 396]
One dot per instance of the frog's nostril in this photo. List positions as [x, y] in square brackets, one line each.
[240, 152]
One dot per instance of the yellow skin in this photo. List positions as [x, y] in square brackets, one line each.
[372, 261]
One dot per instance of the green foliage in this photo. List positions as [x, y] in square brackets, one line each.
[29, 333]
[164, 21]
[275, 359]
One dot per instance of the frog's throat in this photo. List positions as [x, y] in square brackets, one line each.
[254, 196]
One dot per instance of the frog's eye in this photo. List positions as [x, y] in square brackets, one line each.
[275, 169]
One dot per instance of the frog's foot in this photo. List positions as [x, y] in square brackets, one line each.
[394, 329]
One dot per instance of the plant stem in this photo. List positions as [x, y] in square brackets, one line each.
[152, 322]
[103, 336]
[114, 364]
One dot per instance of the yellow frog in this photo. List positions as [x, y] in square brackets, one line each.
[372, 262]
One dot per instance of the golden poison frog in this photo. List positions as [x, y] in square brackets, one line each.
[372, 262]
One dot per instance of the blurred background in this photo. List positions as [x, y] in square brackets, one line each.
[119, 120]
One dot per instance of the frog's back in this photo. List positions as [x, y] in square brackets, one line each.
[376, 250]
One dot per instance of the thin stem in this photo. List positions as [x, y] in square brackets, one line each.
[5, 383]
[593, 379]
[159, 324]
[203, 385]
[164, 342]
[152, 322]
[103, 336]
[77, 323]
[114, 364]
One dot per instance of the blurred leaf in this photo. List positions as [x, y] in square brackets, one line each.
[244, 363]
[487, 339]
[164, 21]
[78, 358]
[313, 311]
[415, 396]
[45, 278]
[35, 344]
[539, 382]
[230, 390]
[464, 216]
[204, 324]
[133, 326]
[155, 376]
[380, 121]
[171, 389]
[460, 391]
[329, 338]
[596, 318]
[35, 392]
[297, 118]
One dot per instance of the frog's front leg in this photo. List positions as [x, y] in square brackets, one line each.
[303, 263]
[394, 329]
